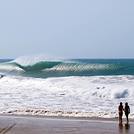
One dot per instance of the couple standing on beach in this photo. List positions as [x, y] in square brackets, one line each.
[126, 110]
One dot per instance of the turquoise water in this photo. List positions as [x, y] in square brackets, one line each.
[72, 67]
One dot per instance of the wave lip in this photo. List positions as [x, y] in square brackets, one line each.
[32, 60]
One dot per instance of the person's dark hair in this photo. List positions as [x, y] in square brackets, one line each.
[126, 104]
[120, 103]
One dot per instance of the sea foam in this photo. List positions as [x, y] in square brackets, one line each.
[66, 96]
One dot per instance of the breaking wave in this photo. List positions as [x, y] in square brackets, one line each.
[56, 68]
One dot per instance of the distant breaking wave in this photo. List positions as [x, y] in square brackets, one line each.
[78, 67]
[38, 66]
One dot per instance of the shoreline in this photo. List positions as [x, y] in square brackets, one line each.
[38, 125]
[67, 117]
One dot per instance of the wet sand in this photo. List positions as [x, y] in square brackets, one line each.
[44, 125]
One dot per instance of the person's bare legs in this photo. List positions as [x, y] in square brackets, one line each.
[127, 118]
[120, 119]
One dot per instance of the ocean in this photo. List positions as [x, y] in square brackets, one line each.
[66, 87]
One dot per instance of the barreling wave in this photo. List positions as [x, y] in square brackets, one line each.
[38, 66]
[81, 67]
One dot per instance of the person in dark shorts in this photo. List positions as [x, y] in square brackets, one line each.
[120, 110]
[127, 111]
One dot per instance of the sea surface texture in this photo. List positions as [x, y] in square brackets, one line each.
[71, 87]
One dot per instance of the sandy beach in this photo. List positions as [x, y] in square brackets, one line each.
[44, 125]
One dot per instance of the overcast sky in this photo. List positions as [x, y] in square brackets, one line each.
[67, 28]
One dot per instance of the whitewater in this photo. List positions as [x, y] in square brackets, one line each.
[74, 88]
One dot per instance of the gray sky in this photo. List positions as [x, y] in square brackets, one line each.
[67, 28]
